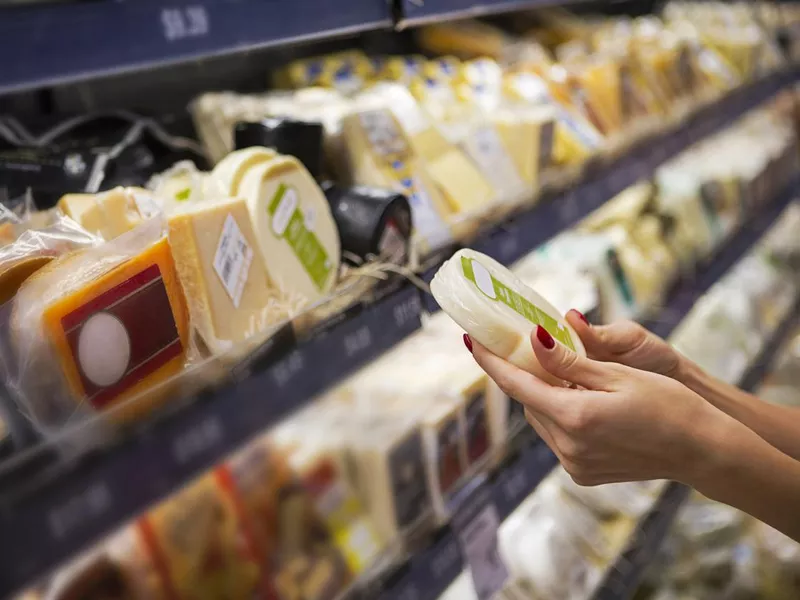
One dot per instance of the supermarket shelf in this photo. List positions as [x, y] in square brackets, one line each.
[77, 504]
[524, 232]
[64, 508]
[690, 289]
[59, 43]
[429, 573]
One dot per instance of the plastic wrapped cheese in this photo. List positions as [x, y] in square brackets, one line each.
[498, 310]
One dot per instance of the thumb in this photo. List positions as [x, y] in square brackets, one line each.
[607, 342]
[565, 364]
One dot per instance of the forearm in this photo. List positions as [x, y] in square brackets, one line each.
[778, 425]
[737, 467]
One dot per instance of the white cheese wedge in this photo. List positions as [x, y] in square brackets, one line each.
[221, 270]
[230, 170]
[498, 310]
[296, 233]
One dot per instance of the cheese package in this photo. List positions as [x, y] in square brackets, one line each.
[295, 230]
[297, 554]
[321, 472]
[200, 544]
[498, 310]
[98, 327]
[378, 153]
[222, 272]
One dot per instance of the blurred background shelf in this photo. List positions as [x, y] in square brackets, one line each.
[56, 43]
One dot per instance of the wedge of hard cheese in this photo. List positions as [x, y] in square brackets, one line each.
[221, 270]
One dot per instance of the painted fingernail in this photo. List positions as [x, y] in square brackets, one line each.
[468, 342]
[545, 338]
[582, 316]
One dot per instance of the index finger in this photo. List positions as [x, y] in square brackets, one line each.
[522, 386]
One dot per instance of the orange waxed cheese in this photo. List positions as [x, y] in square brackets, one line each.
[122, 333]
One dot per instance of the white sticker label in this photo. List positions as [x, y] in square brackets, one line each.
[486, 149]
[426, 221]
[146, 204]
[479, 544]
[232, 260]
[382, 133]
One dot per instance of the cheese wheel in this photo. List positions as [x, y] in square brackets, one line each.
[230, 170]
[294, 227]
[498, 310]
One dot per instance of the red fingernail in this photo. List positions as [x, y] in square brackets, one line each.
[468, 342]
[545, 338]
[582, 316]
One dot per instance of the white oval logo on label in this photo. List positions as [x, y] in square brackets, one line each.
[483, 279]
[104, 349]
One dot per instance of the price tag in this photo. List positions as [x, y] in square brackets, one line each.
[287, 368]
[407, 311]
[78, 510]
[202, 438]
[187, 22]
[357, 341]
[476, 524]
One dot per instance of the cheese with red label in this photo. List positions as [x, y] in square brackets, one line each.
[97, 328]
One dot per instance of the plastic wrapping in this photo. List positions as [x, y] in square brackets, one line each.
[495, 308]
[79, 347]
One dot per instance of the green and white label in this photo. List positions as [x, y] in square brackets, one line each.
[499, 292]
[289, 223]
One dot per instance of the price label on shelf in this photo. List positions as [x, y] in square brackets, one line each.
[476, 524]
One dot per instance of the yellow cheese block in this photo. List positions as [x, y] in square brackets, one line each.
[220, 266]
[75, 205]
[230, 170]
[93, 332]
[295, 230]
[108, 214]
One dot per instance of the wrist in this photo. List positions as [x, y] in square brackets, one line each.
[714, 450]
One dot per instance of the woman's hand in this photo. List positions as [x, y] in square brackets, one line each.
[624, 425]
[627, 343]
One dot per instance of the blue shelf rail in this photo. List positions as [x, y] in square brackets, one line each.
[46, 44]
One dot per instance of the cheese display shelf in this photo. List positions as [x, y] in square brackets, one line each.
[140, 34]
[428, 573]
[50, 510]
[557, 212]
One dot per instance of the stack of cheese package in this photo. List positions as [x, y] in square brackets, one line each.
[324, 498]
[276, 520]
[482, 129]
[206, 264]
[637, 244]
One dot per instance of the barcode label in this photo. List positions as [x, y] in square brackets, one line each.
[232, 260]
